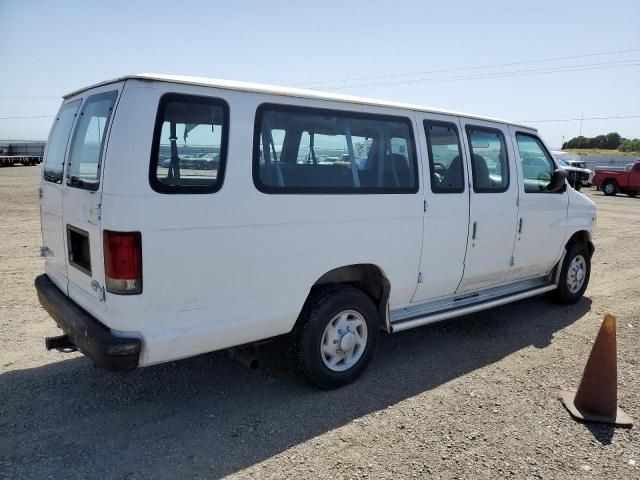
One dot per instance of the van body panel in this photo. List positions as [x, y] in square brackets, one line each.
[52, 234]
[352, 102]
[581, 215]
[203, 253]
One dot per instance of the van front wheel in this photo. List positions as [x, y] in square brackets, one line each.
[575, 274]
[336, 335]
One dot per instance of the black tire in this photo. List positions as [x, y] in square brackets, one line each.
[563, 293]
[321, 308]
[632, 194]
[610, 188]
[578, 186]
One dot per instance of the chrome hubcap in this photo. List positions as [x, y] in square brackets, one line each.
[576, 273]
[608, 188]
[343, 341]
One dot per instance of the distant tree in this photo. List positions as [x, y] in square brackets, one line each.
[610, 141]
[579, 142]
[629, 145]
[599, 142]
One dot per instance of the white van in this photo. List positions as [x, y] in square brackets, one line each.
[184, 215]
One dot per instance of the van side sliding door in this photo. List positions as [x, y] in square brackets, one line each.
[446, 217]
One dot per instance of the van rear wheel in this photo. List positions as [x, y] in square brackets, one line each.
[575, 274]
[336, 336]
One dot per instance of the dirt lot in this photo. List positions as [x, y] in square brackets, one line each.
[470, 398]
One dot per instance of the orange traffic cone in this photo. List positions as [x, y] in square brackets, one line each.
[597, 397]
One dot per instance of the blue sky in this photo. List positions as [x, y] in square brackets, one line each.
[50, 48]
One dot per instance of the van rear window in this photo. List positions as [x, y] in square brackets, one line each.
[57, 146]
[309, 150]
[87, 146]
[189, 144]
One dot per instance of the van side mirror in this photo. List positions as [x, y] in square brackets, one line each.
[558, 180]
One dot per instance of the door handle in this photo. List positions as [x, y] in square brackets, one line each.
[475, 228]
[520, 226]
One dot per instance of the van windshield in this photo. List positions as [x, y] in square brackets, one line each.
[87, 146]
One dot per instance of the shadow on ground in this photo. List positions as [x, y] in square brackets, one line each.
[211, 416]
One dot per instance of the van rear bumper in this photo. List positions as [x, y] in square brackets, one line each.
[91, 337]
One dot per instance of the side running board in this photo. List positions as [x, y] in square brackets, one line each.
[431, 312]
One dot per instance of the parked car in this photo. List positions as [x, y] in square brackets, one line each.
[583, 165]
[612, 181]
[147, 265]
[576, 176]
[202, 161]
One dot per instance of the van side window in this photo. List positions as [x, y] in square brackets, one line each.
[537, 164]
[57, 146]
[489, 160]
[445, 161]
[189, 148]
[87, 145]
[308, 150]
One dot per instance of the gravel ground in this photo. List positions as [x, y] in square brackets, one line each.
[470, 398]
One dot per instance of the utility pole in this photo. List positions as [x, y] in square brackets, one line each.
[580, 136]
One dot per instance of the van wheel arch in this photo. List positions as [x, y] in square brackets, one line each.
[366, 277]
[584, 237]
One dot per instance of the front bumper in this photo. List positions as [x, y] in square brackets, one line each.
[90, 336]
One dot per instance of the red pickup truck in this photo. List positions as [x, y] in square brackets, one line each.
[614, 181]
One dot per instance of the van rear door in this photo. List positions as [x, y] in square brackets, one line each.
[51, 194]
[82, 195]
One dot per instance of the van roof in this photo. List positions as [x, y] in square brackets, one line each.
[286, 91]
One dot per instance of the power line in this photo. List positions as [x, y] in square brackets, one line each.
[476, 67]
[579, 119]
[19, 97]
[482, 76]
[28, 116]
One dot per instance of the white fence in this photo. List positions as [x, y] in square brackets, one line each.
[600, 160]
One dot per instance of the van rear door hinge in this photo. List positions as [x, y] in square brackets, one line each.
[425, 206]
[419, 277]
[98, 289]
[512, 262]
[95, 214]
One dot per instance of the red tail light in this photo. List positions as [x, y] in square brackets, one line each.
[123, 262]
